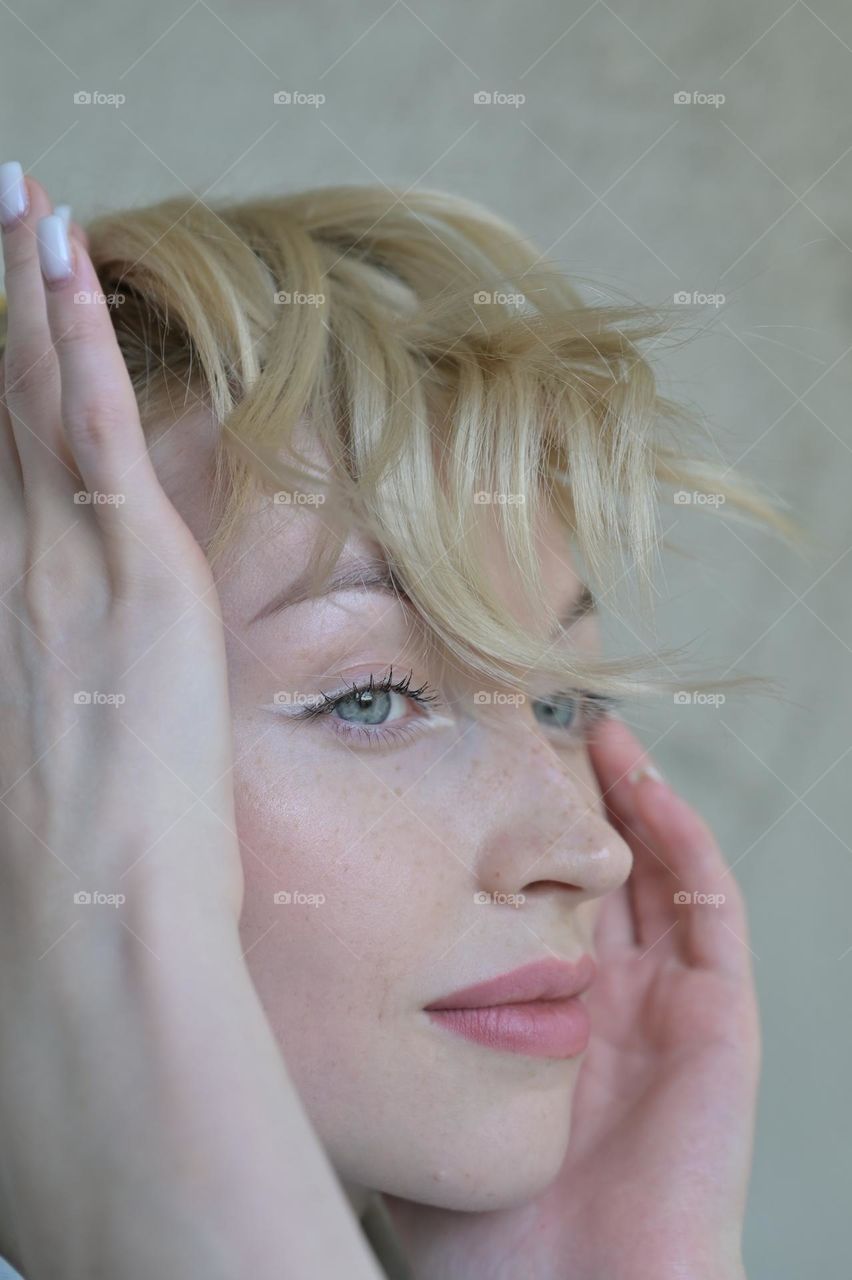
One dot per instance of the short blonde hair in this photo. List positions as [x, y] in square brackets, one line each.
[439, 356]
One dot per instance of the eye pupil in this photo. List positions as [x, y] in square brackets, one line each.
[559, 710]
[365, 707]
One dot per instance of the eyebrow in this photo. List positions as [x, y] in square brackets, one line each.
[378, 575]
[352, 575]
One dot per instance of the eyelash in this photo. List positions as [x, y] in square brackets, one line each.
[381, 735]
[593, 707]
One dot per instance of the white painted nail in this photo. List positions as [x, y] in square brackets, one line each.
[64, 212]
[13, 192]
[54, 251]
[645, 771]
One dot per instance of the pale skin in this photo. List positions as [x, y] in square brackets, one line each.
[320, 1073]
[655, 1179]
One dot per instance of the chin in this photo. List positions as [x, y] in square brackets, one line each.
[484, 1189]
[471, 1159]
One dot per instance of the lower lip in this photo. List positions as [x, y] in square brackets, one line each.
[539, 1028]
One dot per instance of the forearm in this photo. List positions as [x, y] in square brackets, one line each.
[170, 1139]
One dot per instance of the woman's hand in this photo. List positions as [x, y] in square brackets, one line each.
[656, 1177]
[147, 1122]
[654, 1183]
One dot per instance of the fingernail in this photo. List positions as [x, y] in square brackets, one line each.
[64, 212]
[13, 193]
[54, 251]
[645, 771]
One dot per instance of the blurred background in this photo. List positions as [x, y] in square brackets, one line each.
[655, 151]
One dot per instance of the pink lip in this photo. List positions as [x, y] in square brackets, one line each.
[534, 1010]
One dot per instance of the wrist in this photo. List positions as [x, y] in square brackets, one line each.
[673, 1254]
[96, 1176]
[152, 1126]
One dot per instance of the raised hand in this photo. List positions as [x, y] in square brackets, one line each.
[147, 1122]
[656, 1176]
[653, 1186]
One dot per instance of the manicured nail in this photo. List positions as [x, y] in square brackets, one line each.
[54, 251]
[13, 193]
[645, 771]
[64, 212]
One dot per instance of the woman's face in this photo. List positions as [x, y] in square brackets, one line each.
[383, 824]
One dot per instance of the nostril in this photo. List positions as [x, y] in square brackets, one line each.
[547, 886]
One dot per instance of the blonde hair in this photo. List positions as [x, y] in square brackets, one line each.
[437, 355]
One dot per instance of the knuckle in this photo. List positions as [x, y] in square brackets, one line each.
[29, 371]
[164, 568]
[38, 595]
[94, 423]
[85, 330]
[21, 260]
[52, 594]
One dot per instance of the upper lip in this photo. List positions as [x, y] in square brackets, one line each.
[549, 979]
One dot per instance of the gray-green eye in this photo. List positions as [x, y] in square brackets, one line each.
[557, 712]
[366, 706]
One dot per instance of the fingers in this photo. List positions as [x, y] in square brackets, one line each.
[615, 927]
[100, 416]
[71, 403]
[98, 406]
[77, 231]
[11, 479]
[682, 890]
[31, 368]
[615, 754]
[74, 227]
[705, 899]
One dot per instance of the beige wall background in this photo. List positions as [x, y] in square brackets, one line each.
[639, 194]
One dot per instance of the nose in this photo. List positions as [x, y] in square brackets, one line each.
[547, 832]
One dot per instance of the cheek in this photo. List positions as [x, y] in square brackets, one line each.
[365, 884]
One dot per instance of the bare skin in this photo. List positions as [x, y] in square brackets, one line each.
[121, 1155]
[661, 1111]
[655, 1179]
